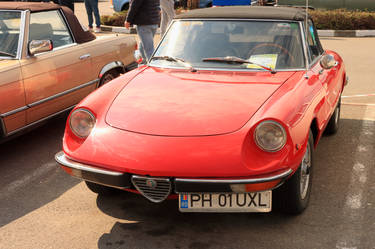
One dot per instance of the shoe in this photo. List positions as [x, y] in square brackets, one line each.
[91, 29]
[98, 30]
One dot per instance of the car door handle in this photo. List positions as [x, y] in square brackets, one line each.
[85, 56]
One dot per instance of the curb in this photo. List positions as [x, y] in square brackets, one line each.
[346, 33]
[322, 33]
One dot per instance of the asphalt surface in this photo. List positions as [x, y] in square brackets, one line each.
[42, 207]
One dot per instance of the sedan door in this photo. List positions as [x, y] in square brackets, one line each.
[56, 80]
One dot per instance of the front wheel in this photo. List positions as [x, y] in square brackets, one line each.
[333, 123]
[294, 195]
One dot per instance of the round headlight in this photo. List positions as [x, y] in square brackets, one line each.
[270, 136]
[82, 122]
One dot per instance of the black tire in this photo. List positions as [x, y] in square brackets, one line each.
[101, 189]
[291, 198]
[334, 121]
[108, 76]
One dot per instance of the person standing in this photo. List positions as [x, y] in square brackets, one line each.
[92, 7]
[167, 14]
[145, 14]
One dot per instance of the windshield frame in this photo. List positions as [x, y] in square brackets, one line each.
[21, 35]
[301, 34]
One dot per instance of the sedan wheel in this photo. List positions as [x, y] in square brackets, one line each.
[293, 196]
[108, 76]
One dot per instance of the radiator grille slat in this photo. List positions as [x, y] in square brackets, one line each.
[154, 189]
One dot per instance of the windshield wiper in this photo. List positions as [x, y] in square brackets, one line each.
[2, 53]
[236, 60]
[175, 59]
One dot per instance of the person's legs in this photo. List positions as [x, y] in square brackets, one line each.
[89, 12]
[96, 12]
[146, 35]
[167, 14]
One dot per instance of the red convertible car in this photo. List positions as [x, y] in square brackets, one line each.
[225, 116]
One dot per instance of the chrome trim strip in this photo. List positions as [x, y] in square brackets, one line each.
[240, 181]
[22, 35]
[39, 121]
[68, 26]
[62, 93]
[13, 111]
[304, 42]
[62, 159]
[229, 69]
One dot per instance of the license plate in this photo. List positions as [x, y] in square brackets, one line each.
[226, 202]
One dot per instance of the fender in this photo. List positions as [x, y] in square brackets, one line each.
[112, 65]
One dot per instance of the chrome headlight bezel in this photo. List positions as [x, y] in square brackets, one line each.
[90, 122]
[270, 124]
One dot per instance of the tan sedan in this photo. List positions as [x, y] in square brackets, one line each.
[48, 63]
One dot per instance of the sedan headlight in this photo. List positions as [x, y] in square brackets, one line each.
[82, 122]
[270, 136]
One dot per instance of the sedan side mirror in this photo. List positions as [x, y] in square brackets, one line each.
[40, 46]
[328, 61]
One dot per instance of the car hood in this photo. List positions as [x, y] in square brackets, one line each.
[181, 103]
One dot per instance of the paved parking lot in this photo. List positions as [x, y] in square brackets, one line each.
[43, 207]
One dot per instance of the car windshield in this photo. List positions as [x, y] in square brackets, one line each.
[232, 44]
[9, 33]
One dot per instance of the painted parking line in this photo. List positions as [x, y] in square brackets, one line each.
[359, 95]
[358, 104]
[353, 212]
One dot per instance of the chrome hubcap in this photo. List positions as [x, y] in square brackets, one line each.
[305, 172]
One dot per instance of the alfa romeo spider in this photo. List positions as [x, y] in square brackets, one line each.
[225, 116]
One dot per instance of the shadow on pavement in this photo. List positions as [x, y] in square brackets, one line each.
[148, 225]
[30, 177]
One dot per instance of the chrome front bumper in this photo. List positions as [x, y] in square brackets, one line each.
[180, 185]
[93, 174]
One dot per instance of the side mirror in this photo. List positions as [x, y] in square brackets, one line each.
[328, 61]
[40, 46]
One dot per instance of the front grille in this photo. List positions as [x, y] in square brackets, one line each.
[154, 189]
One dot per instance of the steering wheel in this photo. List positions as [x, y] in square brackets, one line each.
[283, 50]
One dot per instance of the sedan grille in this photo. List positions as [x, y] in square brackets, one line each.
[154, 189]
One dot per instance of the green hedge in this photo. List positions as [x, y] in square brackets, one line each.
[117, 19]
[343, 19]
[340, 19]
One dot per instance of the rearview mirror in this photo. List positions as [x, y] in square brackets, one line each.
[328, 61]
[40, 46]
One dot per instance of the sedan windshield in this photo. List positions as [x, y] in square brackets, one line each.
[232, 44]
[9, 33]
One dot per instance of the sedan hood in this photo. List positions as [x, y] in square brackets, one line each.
[181, 103]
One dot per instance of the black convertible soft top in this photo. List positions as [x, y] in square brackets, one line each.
[80, 35]
[246, 12]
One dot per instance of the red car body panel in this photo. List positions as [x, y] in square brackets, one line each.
[171, 102]
[186, 151]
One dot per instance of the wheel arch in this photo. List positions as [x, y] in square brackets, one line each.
[315, 131]
[2, 128]
[117, 65]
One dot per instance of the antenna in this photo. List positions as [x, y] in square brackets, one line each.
[306, 32]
